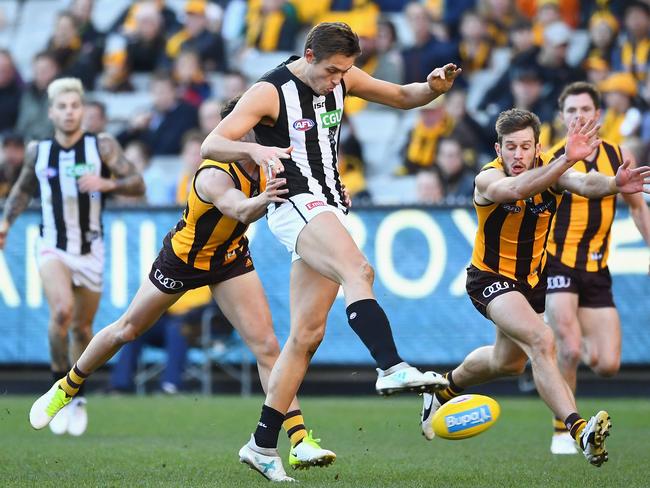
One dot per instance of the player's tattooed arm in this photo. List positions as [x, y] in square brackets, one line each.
[126, 179]
[23, 190]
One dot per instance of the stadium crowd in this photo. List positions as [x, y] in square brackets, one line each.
[159, 71]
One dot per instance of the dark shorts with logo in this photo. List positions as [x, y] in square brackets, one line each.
[483, 287]
[171, 275]
[594, 288]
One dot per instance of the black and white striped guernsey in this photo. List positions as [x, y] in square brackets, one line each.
[310, 123]
[71, 219]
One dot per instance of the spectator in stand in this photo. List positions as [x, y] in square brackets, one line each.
[126, 22]
[11, 162]
[158, 191]
[193, 88]
[191, 157]
[162, 127]
[271, 25]
[233, 84]
[548, 12]
[117, 75]
[475, 140]
[596, 69]
[603, 28]
[622, 120]
[92, 41]
[633, 52]
[456, 176]
[209, 115]
[429, 188]
[145, 47]
[428, 50]
[352, 166]
[196, 36]
[65, 45]
[33, 121]
[10, 91]
[499, 16]
[432, 124]
[645, 124]
[475, 48]
[95, 119]
[390, 66]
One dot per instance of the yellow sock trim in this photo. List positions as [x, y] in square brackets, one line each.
[69, 389]
[297, 436]
[558, 425]
[295, 428]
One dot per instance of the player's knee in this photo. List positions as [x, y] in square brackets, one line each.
[266, 350]
[569, 352]
[308, 339]
[543, 343]
[125, 331]
[607, 366]
[62, 315]
[81, 332]
[367, 272]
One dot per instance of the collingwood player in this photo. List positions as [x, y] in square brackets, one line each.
[296, 111]
[73, 170]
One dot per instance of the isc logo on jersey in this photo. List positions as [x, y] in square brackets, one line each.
[465, 416]
[303, 124]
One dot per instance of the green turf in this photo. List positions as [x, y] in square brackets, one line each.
[193, 441]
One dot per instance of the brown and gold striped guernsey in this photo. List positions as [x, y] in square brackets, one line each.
[580, 233]
[205, 238]
[511, 237]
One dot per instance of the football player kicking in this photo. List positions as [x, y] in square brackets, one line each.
[207, 247]
[515, 198]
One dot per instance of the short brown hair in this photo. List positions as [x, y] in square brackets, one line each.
[329, 38]
[578, 88]
[514, 120]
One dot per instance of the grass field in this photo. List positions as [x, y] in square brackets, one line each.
[193, 441]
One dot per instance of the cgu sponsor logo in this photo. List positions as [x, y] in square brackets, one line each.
[168, 283]
[79, 170]
[555, 282]
[303, 124]
[331, 118]
[468, 419]
[495, 287]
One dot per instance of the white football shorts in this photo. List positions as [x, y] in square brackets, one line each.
[87, 270]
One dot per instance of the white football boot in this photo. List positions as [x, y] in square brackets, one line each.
[408, 379]
[430, 405]
[563, 443]
[592, 439]
[309, 453]
[266, 461]
[59, 423]
[47, 406]
[78, 416]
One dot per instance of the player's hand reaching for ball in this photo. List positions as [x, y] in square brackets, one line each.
[440, 80]
[269, 159]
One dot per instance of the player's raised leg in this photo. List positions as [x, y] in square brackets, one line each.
[244, 303]
[86, 302]
[311, 298]
[327, 247]
[147, 306]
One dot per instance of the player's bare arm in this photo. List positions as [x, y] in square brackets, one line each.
[21, 193]
[216, 186]
[495, 186]
[126, 180]
[260, 104]
[439, 81]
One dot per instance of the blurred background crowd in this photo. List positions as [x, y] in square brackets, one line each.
[158, 71]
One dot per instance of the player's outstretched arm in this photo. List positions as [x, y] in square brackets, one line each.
[439, 81]
[126, 181]
[218, 187]
[259, 104]
[628, 180]
[495, 186]
[21, 193]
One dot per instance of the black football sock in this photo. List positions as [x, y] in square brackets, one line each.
[370, 323]
[268, 428]
[452, 391]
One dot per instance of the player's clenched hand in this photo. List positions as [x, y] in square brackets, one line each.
[4, 230]
[347, 201]
[273, 190]
[269, 159]
[632, 180]
[92, 183]
[582, 139]
[440, 80]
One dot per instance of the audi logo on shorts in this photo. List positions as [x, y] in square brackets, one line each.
[168, 283]
[555, 282]
[495, 287]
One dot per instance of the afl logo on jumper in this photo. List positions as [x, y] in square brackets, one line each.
[303, 124]
[495, 287]
[168, 283]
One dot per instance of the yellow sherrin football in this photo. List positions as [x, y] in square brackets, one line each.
[465, 416]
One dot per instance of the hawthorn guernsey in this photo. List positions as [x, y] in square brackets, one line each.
[465, 416]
